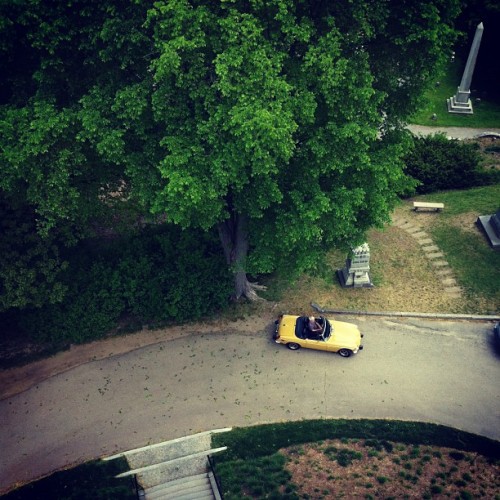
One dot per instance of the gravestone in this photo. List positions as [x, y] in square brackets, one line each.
[460, 102]
[356, 272]
[490, 224]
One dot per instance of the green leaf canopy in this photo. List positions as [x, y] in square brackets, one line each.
[278, 121]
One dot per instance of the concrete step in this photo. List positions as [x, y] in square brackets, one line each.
[168, 450]
[171, 471]
[187, 488]
[168, 461]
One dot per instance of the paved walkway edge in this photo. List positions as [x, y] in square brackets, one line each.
[472, 317]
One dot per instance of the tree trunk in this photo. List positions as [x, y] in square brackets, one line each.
[233, 235]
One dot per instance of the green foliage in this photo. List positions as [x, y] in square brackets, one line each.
[159, 275]
[207, 111]
[259, 478]
[244, 469]
[92, 480]
[439, 164]
[30, 266]
[344, 457]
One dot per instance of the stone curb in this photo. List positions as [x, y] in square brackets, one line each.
[471, 317]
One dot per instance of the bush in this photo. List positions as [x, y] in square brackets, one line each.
[440, 164]
[163, 274]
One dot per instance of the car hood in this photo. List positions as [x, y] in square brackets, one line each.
[347, 333]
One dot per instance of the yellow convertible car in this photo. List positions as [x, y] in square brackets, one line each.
[318, 333]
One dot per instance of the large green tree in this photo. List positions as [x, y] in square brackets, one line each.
[276, 122]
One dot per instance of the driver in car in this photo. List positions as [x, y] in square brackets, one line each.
[314, 327]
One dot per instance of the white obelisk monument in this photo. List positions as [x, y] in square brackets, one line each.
[460, 102]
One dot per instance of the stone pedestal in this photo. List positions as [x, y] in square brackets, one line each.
[356, 272]
[490, 224]
[460, 103]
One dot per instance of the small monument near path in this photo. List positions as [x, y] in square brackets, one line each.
[356, 270]
[490, 224]
[460, 102]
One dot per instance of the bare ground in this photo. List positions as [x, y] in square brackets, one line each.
[372, 469]
[404, 278]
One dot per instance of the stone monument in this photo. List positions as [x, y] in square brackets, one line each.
[460, 102]
[357, 267]
[491, 226]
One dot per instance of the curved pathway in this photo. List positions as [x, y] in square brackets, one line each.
[441, 267]
[420, 370]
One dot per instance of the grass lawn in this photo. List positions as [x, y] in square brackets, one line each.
[403, 277]
[486, 113]
[93, 480]
[316, 459]
[361, 458]
[476, 265]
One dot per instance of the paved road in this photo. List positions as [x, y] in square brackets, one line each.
[444, 372]
[454, 132]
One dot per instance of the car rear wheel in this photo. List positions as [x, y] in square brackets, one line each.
[293, 346]
[345, 353]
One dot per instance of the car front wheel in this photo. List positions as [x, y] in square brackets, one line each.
[293, 346]
[345, 353]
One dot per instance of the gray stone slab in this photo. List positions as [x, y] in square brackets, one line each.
[431, 248]
[170, 450]
[449, 281]
[439, 263]
[425, 241]
[484, 222]
[171, 471]
[434, 255]
[420, 235]
[413, 229]
[446, 271]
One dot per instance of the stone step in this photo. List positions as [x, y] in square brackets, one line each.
[425, 241]
[191, 487]
[430, 248]
[174, 469]
[439, 263]
[412, 229]
[434, 255]
[444, 272]
[168, 450]
[419, 235]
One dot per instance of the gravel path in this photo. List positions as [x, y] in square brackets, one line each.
[454, 132]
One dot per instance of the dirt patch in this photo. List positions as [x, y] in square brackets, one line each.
[466, 222]
[404, 280]
[381, 469]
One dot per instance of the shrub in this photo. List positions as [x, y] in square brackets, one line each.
[163, 274]
[441, 164]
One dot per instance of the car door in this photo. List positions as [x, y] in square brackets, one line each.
[319, 345]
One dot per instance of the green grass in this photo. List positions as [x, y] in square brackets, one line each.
[93, 481]
[486, 113]
[249, 443]
[252, 465]
[475, 264]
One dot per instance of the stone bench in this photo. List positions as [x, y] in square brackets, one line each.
[428, 206]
